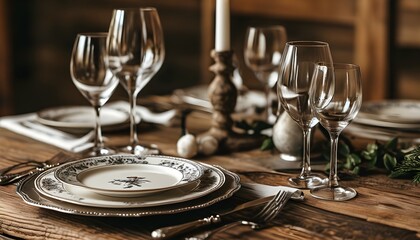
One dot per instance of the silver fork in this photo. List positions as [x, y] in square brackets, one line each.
[263, 217]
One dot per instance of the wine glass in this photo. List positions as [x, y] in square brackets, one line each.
[93, 79]
[262, 54]
[295, 76]
[335, 97]
[135, 53]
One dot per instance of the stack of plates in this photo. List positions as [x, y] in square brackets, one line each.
[127, 186]
[383, 120]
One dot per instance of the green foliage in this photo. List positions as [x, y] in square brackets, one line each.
[387, 156]
[267, 144]
[254, 127]
[409, 167]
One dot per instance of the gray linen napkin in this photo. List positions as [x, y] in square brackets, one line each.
[27, 125]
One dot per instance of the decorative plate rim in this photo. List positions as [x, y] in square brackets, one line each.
[68, 173]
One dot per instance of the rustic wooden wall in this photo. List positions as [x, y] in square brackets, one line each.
[44, 31]
[5, 72]
[41, 34]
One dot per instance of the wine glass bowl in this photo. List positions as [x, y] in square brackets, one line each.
[294, 81]
[336, 97]
[91, 76]
[136, 51]
[262, 54]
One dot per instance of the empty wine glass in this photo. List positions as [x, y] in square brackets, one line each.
[93, 79]
[262, 54]
[135, 53]
[295, 76]
[336, 97]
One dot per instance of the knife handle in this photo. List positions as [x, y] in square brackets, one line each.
[11, 178]
[169, 232]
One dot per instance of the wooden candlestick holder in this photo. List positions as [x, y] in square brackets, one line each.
[223, 95]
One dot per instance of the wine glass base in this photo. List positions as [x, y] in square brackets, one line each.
[99, 152]
[290, 157]
[337, 193]
[310, 181]
[140, 150]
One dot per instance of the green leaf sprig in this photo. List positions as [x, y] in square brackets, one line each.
[409, 167]
[387, 157]
[255, 128]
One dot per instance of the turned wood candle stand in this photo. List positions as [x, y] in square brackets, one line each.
[223, 95]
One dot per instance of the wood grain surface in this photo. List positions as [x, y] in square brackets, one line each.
[384, 208]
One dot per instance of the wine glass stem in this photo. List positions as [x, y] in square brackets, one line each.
[99, 143]
[133, 127]
[306, 165]
[268, 105]
[333, 177]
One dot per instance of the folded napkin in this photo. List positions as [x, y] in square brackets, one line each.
[28, 125]
[163, 118]
[256, 190]
[198, 96]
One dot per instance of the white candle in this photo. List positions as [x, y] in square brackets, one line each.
[222, 40]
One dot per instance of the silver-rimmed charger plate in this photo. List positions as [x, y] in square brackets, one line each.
[81, 119]
[27, 191]
[129, 175]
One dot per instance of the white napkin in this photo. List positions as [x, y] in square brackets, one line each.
[27, 125]
[163, 118]
[256, 190]
[198, 96]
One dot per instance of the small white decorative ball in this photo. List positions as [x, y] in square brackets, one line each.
[207, 145]
[187, 146]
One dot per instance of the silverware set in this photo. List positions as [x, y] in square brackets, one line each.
[9, 176]
[260, 220]
[273, 205]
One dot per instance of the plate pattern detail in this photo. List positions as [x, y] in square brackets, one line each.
[68, 173]
[47, 185]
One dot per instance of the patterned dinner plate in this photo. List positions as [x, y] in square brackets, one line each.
[129, 175]
[48, 185]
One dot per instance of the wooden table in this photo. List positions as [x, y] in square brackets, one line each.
[384, 208]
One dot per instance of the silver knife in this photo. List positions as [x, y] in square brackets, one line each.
[169, 232]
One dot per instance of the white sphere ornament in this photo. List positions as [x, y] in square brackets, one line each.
[207, 145]
[287, 137]
[187, 146]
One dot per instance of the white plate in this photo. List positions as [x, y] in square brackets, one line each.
[29, 194]
[129, 175]
[379, 123]
[82, 118]
[129, 180]
[401, 111]
[404, 114]
[48, 185]
[382, 134]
